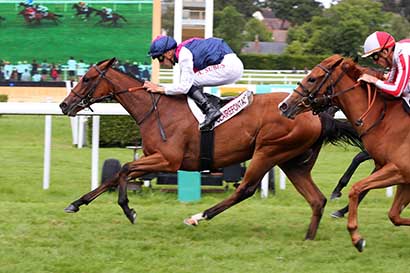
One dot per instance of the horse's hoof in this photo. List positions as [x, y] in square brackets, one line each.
[337, 214]
[190, 222]
[335, 195]
[360, 245]
[71, 209]
[132, 216]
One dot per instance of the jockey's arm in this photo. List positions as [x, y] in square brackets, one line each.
[186, 64]
[398, 79]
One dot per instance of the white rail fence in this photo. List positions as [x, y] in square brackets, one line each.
[50, 109]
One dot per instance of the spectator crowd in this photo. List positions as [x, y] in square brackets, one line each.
[73, 70]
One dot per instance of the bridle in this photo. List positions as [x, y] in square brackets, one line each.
[322, 102]
[87, 100]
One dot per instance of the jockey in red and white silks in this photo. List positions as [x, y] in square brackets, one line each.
[397, 83]
[387, 53]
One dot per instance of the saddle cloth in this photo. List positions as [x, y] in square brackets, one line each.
[229, 110]
[406, 103]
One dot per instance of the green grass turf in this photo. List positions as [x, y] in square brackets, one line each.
[75, 37]
[257, 235]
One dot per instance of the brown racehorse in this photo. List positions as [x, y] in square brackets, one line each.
[113, 19]
[80, 11]
[258, 133]
[379, 119]
[38, 17]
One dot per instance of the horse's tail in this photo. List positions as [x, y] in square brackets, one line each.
[58, 15]
[123, 18]
[336, 131]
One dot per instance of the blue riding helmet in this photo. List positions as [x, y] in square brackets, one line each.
[160, 45]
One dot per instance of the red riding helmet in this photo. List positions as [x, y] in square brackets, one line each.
[376, 42]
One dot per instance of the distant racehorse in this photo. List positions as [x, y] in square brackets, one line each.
[38, 17]
[22, 4]
[81, 11]
[113, 19]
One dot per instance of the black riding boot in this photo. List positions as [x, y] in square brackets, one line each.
[211, 112]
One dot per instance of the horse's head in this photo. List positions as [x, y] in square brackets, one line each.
[93, 87]
[315, 92]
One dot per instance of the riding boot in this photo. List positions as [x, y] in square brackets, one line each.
[211, 112]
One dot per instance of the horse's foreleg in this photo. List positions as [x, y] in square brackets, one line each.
[344, 180]
[401, 200]
[87, 198]
[247, 188]
[137, 168]
[388, 175]
[152, 163]
[341, 212]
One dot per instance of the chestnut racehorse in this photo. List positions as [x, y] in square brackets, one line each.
[379, 119]
[113, 19]
[172, 140]
[38, 17]
[80, 11]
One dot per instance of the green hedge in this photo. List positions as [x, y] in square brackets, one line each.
[116, 131]
[278, 62]
[4, 98]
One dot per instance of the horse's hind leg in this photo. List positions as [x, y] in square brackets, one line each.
[253, 175]
[301, 178]
[401, 200]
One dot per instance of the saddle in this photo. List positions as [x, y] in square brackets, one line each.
[229, 106]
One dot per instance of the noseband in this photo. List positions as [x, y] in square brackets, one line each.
[88, 99]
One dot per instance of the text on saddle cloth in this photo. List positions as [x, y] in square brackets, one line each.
[228, 111]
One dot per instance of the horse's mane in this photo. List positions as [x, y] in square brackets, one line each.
[122, 72]
[354, 70]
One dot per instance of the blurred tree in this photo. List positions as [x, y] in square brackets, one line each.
[343, 28]
[255, 27]
[401, 7]
[229, 25]
[246, 7]
[297, 11]
[167, 20]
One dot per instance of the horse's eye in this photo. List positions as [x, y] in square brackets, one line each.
[311, 80]
[85, 79]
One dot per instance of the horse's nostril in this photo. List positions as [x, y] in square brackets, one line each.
[63, 106]
[283, 106]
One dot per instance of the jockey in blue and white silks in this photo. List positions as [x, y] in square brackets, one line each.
[203, 62]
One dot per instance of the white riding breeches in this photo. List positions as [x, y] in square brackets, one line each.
[228, 71]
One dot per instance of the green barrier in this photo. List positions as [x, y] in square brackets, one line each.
[189, 186]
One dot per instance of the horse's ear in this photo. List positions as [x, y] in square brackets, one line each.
[111, 62]
[356, 59]
[337, 62]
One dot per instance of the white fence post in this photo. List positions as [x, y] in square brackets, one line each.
[47, 152]
[94, 153]
[282, 179]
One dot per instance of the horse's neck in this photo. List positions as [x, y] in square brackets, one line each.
[356, 103]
